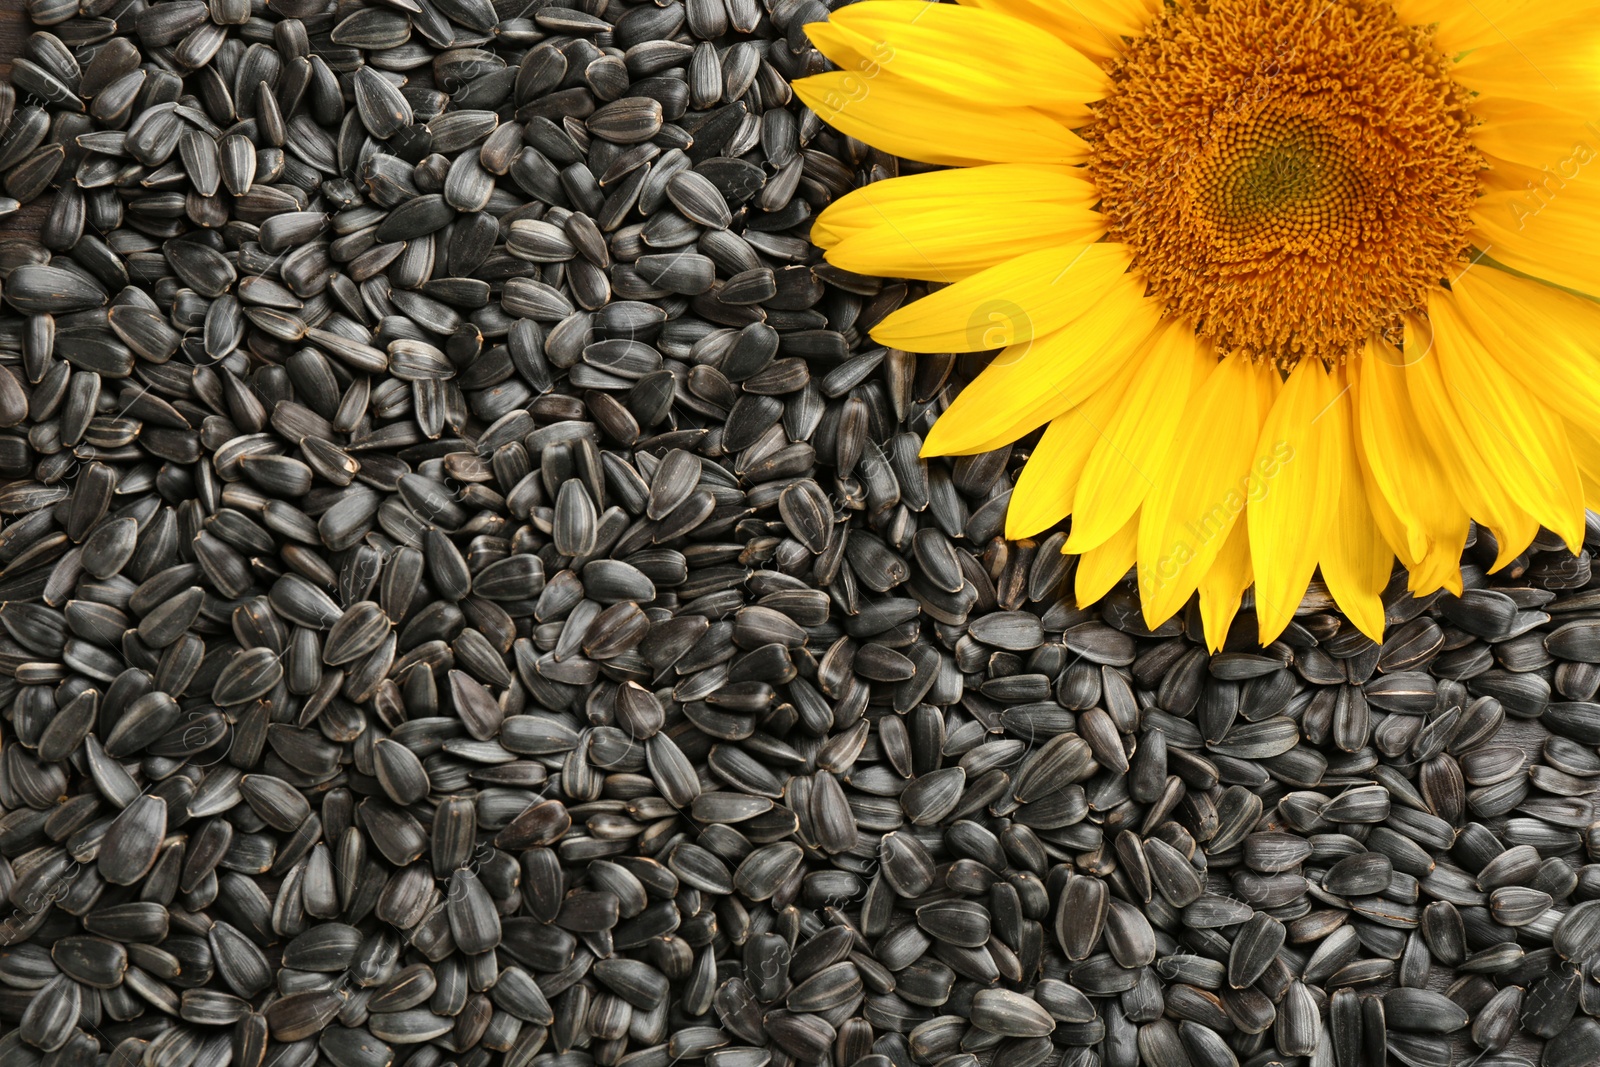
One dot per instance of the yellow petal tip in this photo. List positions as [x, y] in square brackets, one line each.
[1368, 623]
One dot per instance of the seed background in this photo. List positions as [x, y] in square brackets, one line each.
[13, 29]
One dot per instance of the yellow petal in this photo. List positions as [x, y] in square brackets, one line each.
[1295, 494]
[1541, 222]
[1522, 444]
[1586, 447]
[985, 56]
[960, 194]
[1533, 135]
[1546, 339]
[904, 118]
[1204, 486]
[1094, 27]
[1404, 471]
[1356, 561]
[1440, 567]
[1106, 564]
[1552, 63]
[1550, 263]
[1044, 489]
[1012, 303]
[1455, 443]
[948, 245]
[1029, 384]
[1222, 588]
[1130, 453]
[1474, 23]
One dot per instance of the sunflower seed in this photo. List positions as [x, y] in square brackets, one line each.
[133, 841]
[1000, 1011]
[1422, 1011]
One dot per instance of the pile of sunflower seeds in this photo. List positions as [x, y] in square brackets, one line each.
[470, 595]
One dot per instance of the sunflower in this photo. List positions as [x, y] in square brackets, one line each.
[1288, 284]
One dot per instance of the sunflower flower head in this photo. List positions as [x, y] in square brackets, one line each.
[1287, 285]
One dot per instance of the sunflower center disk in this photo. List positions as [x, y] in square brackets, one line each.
[1291, 176]
[1275, 182]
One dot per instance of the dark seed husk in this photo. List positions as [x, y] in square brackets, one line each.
[133, 841]
[1423, 1011]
